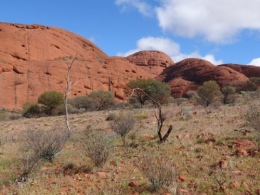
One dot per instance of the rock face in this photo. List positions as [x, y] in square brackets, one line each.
[188, 74]
[153, 62]
[33, 60]
[247, 70]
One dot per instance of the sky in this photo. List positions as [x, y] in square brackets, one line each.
[219, 31]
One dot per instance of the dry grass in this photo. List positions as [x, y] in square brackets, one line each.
[196, 163]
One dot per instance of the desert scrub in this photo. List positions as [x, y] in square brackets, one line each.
[122, 125]
[97, 145]
[253, 116]
[159, 171]
[46, 145]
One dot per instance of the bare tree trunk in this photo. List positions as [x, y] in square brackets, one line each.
[67, 90]
[160, 117]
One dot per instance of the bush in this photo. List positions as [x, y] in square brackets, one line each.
[253, 116]
[51, 100]
[157, 172]
[102, 99]
[31, 110]
[158, 91]
[45, 145]
[123, 124]
[83, 102]
[208, 93]
[98, 146]
[228, 93]
[29, 164]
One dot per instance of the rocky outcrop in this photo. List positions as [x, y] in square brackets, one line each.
[189, 73]
[33, 59]
[247, 70]
[153, 62]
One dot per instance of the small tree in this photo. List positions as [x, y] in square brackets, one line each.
[140, 95]
[51, 99]
[207, 93]
[122, 125]
[159, 91]
[102, 99]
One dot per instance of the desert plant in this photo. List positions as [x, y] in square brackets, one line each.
[228, 93]
[253, 116]
[31, 110]
[159, 115]
[101, 99]
[51, 100]
[139, 95]
[122, 125]
[207, 93]
[158, 171]
[29, 164]
[159, 91]
[98, 146]
[46, 145]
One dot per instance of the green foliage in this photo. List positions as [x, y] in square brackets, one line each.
[207, 93]
[31, 110]
[141, 84]
[228, 93]
[82, 102]
[157, 90]
[102, 99]
[51, 100]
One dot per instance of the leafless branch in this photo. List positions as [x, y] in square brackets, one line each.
[67, 91]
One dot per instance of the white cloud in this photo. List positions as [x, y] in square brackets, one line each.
[255, 62]
[140, 5]
[217, 21]
[169, 47]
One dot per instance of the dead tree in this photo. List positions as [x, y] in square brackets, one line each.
[159, 115]
[67, 91]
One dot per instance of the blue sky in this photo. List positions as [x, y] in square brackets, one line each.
[219, 31]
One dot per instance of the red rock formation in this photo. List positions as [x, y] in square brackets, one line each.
[32, 61]
[247, 70]
[153, 62]
[191, 72]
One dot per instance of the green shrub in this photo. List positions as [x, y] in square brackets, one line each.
[31, 110]
[102, 100]
[207, 93]
[51, 100]
[228, 93]
[82, 102]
